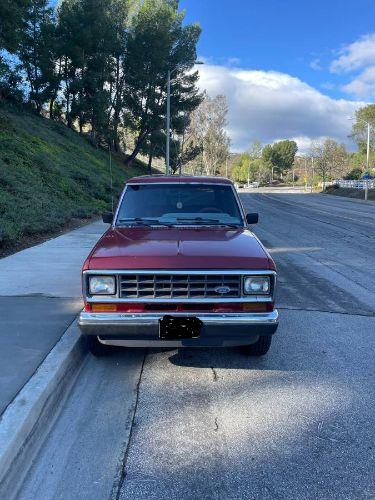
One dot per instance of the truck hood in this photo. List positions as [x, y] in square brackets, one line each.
[179, 248]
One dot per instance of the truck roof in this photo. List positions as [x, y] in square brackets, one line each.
[183, 179]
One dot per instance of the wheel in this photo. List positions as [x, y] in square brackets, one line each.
[260, 348]
[96, 348]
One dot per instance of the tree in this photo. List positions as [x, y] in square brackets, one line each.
[269, 159]
[121, 11]
[256, 149]
[36, 52]
[240, 168]
[207, 132]
[92, 36]
[159, 42]
[12, 16]
[330, 159]
[359, 129]
[280, 156]
[354, 174]
[184, 150]
[285, 152]
[10, 82]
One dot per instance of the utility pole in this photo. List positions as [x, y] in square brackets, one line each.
[226, 168]
[313, 174]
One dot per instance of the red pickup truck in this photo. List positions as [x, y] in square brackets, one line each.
[179, 267]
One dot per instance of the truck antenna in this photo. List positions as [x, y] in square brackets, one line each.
[111, 176]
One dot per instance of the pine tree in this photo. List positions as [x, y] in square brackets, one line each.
[36, 52]
[158, 42]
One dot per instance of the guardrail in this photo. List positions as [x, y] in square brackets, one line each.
[356, 184]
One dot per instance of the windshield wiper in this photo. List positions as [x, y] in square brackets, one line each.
[145, 222]
[203, 221]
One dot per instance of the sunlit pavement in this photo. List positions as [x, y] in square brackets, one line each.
[213, 423]
[40, 297]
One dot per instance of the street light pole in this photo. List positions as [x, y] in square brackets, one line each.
[368, 159]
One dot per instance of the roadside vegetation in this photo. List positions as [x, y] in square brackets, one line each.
[356, 194]
[101, 68]
[80, 83]
[325, 161]
[50, 176]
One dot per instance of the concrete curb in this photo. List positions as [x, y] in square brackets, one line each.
[27, 419]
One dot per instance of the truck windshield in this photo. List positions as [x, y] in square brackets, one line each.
[179, 204]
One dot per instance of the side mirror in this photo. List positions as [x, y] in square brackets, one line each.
[108, 217]
[252, 218]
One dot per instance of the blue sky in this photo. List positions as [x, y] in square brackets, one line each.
[290, 69]
[287, 36]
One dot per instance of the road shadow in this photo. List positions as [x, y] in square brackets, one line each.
[220, 357]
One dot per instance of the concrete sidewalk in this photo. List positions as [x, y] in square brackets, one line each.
[40, 295]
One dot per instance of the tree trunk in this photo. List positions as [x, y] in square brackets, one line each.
[68, 107]
[51, 105]
[129, 160]
[150, 158]
[116, 143]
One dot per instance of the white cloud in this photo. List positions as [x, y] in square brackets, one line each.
[356, 55]
[268, 106]
[362, 86]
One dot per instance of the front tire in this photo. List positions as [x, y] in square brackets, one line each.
[260, 348]
[96, 348]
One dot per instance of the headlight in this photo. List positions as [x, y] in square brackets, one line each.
[102, 285]
[257, 285]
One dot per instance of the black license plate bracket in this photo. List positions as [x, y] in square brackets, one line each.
[179, 328]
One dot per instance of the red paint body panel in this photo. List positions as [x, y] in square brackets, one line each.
[179, 248]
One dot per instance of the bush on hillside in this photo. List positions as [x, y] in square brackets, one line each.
[355, 174]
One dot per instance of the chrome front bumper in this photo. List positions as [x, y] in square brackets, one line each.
[143, 329]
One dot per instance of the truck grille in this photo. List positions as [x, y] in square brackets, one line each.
[177, 286]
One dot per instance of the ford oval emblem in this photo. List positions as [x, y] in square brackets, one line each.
[222, 290]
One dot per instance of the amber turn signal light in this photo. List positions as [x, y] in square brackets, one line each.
[255, 307]
[104, 308]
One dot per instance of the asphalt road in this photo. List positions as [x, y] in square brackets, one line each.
[215, 424]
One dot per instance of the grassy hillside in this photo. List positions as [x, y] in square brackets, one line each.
[50, 175]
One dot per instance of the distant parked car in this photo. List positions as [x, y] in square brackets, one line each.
[179, 267]
[254, 184]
